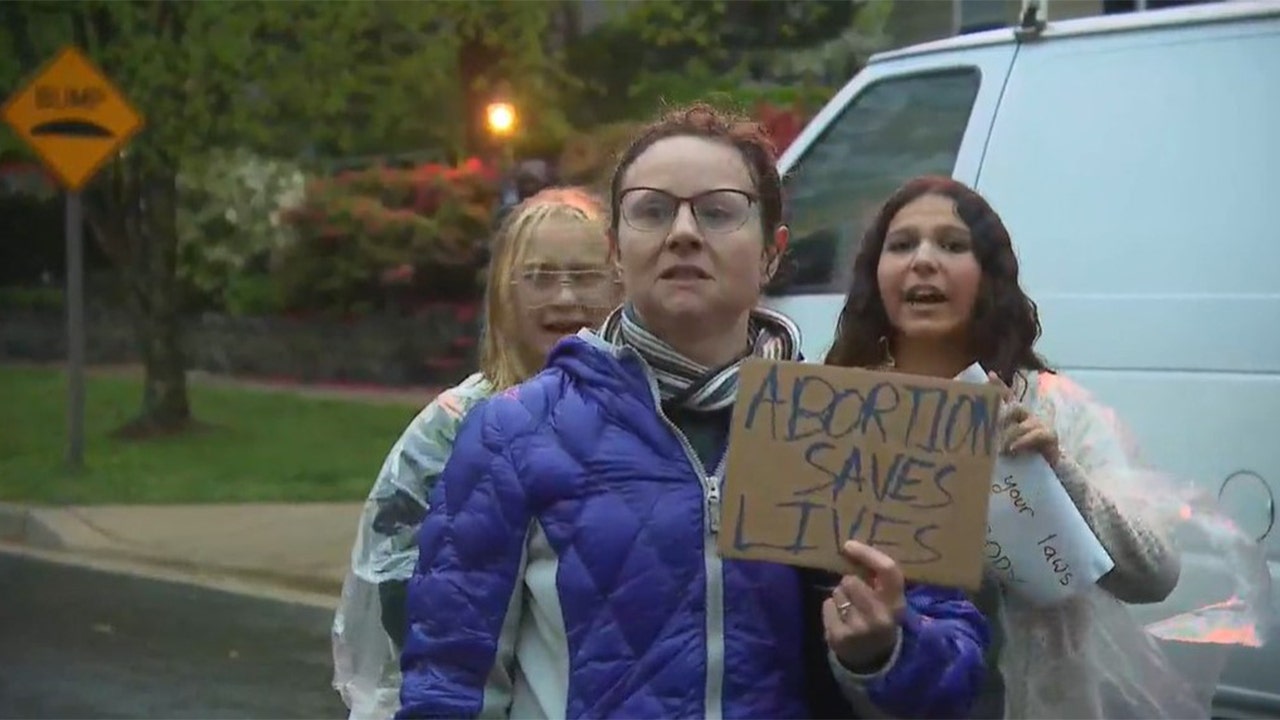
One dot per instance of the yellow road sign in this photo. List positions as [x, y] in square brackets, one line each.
[73, 117]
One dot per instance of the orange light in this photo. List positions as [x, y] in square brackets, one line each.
[501, 118]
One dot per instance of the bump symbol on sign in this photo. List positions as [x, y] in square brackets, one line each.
[81, 99]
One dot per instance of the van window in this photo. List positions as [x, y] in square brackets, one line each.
[894, 130]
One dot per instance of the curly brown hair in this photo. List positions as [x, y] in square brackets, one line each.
[702, 120]
[1005, 321]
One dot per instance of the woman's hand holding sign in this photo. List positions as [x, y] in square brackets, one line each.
[1020, 430]
[862, 616]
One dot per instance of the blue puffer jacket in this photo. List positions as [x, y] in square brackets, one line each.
[568, 569]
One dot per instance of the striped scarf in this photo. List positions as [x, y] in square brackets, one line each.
[772, 336]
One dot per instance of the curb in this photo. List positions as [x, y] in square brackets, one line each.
[281, 580]
[13, 522]
[19, 525]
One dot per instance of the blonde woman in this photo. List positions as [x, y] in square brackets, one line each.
[549, 277]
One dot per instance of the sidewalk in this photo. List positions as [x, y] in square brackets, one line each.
[300, 547]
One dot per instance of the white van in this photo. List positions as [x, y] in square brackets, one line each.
[1136, 161]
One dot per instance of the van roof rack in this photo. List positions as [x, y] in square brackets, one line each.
[1189, 15]
[1032, 20]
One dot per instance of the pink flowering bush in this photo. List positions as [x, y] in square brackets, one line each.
[381, 237]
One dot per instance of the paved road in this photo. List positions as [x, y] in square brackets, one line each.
[79, 643]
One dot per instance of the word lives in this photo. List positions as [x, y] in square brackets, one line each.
[820, 455]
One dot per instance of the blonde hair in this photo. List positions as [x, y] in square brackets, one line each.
[502, 362]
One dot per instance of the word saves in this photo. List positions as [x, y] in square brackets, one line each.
[879, 463]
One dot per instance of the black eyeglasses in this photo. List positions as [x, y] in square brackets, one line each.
[716, 211]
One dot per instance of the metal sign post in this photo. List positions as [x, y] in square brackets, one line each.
[75, 330]
[76, 120]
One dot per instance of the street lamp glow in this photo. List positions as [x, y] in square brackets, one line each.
[501, 118]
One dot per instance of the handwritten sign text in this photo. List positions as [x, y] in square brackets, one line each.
[819, 455]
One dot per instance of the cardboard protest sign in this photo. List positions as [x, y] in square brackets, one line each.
[819, 455]
[1040, 546]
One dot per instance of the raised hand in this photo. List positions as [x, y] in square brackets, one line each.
[1020, 430]
[862, 616]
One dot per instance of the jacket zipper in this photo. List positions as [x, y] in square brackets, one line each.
[710, 482]
[713, 499]
[711, 562]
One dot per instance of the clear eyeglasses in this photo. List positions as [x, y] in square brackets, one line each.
[596, 287]
[716, 211]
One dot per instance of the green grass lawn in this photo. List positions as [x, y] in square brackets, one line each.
[259, 446]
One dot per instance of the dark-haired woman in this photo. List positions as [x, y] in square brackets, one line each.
[568, 567]
[935, 290]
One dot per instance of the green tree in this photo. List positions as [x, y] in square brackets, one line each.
[283, 80]
[676, 51]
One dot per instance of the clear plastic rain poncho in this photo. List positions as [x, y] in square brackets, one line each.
[366, 662]
[1093, 656]
[1090, 657]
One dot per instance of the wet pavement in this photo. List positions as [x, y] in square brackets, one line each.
[79, 643]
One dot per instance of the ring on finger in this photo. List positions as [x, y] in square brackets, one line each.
[843, 609]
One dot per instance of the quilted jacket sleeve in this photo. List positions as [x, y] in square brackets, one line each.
[464, 597]
[937, 669]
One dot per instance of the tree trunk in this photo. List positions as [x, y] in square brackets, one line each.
[474, 58]
[154, 291]
[135, 221]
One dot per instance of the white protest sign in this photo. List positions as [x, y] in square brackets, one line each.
[1037, 541]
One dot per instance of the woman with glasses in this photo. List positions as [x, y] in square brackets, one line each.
[550, 276]
[568, 566]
